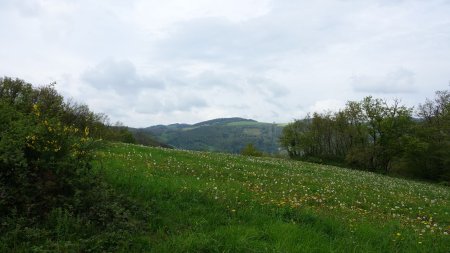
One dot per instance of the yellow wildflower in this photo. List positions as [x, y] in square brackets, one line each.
[36, 110]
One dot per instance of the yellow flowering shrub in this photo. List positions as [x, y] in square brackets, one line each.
[42, 161]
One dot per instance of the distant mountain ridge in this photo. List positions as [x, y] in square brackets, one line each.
[221, 135]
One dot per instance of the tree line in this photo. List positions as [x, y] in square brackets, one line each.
[377, 135]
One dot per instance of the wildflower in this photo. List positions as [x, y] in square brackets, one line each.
[36, 110]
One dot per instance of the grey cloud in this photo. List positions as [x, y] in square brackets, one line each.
[92, 30]
[291, 26]
[200, 38]
[205, 80]
[180, 103]
[120, 76]
[190, 103]
[222, 79]
[267, 87]
[398, 81]
[293, 52]
[219, 39]
[27, 8]
[152, 106]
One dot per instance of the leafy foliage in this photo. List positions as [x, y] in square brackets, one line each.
[43, 160]
[47, 187]
[428, 149]
[377, 136]
[250, 150]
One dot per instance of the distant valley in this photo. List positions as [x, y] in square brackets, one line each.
[218, 135]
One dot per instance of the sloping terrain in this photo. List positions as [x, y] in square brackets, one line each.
[209, 202]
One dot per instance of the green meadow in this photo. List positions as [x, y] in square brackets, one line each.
[212, 202]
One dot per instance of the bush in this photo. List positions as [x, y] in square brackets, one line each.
[42, 161]
[250, 150]
[50, 200]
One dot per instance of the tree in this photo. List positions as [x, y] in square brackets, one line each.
[250, 150]
[369, 134]
[385, 125]
[428, 153]
[295, 138]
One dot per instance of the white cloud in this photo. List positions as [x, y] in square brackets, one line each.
[328, 105]
[150, 62]
[398, 81]
[120, 76]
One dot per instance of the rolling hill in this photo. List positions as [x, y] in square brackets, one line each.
[219, 135]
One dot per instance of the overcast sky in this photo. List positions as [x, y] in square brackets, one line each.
[147, 62]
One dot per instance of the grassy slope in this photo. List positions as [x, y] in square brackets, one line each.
[247, 123]
[217, 202]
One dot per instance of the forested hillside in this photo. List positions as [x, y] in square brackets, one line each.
[224, 135]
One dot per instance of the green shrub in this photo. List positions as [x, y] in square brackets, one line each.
[42, 161]
[46, 146]
[250, 150]
[50, 200]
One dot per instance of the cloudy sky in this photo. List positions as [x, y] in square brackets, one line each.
[147, 62]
